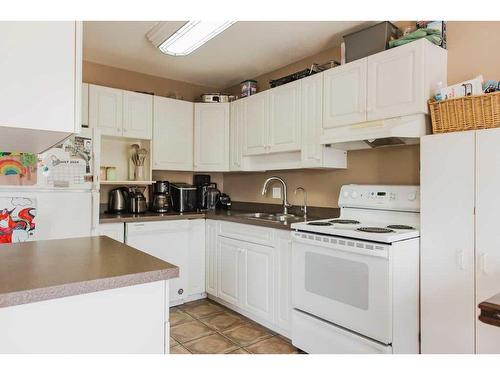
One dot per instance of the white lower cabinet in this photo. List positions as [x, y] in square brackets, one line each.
[115, 231]
[251, 272]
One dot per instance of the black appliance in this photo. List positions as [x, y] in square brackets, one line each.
[183, 197]
[225, 201]
[202, 184]
[160, 199]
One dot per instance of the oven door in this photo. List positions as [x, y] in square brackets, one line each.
[343, 281]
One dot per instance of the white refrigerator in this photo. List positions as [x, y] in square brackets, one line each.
[63, 203]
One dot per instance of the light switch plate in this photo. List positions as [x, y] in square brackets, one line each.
[277, 192]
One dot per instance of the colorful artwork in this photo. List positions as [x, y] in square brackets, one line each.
[18, 168]
[17, 219]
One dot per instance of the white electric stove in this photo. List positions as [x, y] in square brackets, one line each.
[355, 286]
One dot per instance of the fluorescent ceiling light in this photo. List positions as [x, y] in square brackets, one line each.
[188, 38]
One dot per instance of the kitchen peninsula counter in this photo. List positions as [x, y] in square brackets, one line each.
[83, 295]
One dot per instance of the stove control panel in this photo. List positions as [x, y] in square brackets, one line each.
[383, 197]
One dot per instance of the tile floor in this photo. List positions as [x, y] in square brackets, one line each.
[205, 327]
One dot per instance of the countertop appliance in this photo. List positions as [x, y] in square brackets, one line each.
[213, 195]
[160, 197]
[183, 197]
[202, 183]
[138, 203]
[356, 277]
[225, 201]
[119, 200]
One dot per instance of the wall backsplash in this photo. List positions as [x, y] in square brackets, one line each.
[393, 165]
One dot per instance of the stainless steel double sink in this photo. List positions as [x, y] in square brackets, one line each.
[277, 218]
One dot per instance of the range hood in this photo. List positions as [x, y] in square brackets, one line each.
[405, 130]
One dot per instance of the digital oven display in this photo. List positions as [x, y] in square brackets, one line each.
[381, 193]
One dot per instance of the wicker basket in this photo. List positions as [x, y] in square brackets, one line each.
[465, 113]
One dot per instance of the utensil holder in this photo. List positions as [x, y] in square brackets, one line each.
[139, 173]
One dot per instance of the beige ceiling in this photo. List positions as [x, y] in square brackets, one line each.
[247, 49]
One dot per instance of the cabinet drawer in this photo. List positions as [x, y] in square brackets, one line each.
[249, 233]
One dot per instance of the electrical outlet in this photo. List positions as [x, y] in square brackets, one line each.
[277, 192]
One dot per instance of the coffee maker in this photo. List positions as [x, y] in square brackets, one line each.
[160, 200]
[202, 184]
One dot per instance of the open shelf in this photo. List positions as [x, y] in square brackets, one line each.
[127, 182]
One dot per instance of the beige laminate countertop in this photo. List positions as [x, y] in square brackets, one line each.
[43, 270]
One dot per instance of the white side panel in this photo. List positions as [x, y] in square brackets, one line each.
[211, 263]
[115, 231]
[127, 320]
[487, 233]
[283, 280]
[196, 257]
[59, 214]
[447, 243]
[85, 104]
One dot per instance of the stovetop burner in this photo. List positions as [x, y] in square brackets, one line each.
[375, 230]
[320, 223]
[399, 226]
[343, 221]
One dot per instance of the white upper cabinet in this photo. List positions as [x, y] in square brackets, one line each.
[137, 115]
[256, 124]
[173, 134]
[236, 135]
[120, 113]
[85, 104]
[344, 100]
[311, 113]
[401, 80]
[284, 118]
[106, 109]
[211, 137]
[40, 80]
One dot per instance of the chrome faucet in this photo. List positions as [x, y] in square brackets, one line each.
[304, 193]
[286, 205]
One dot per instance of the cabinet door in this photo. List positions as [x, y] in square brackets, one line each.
[173, 134]
[284, 118]
[235, 135]
[115, 231]
[137, 115]
[211, 137]
[256, 124]
[258, 283]
[85, 104]
[196, 257]
[312, 120]
[106, 109]
[344, 100]
[211, 257]
[447, 243]
[229, 253]
[283, 280]
[396, 82]
[39, 75]
[487, 233]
